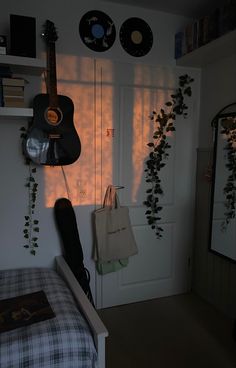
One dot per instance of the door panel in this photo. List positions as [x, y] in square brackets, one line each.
[161, 266]
[157, 255]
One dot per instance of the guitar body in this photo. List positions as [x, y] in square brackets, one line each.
[52, 139]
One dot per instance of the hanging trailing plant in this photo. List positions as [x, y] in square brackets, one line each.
[229, 130]
[31, 224]
[164, 122]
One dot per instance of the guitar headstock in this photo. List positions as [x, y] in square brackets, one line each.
[50, 33]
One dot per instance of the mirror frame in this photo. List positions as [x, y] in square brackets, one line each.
[215, 127]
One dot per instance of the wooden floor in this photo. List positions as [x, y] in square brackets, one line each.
[175, 332]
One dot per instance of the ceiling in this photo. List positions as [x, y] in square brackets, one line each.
[188, 8]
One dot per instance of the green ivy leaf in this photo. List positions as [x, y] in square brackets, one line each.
[154, 164]
[29, 222]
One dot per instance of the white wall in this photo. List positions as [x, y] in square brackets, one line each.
[71, 52]
[217, 90]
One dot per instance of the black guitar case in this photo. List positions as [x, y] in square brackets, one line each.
[73, 253]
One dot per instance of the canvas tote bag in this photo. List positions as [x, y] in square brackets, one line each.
[114, 235]
[111, 266]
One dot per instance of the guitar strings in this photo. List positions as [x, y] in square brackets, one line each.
[95, 128]
[101, 131]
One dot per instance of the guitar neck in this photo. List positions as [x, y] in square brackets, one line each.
[52, 74]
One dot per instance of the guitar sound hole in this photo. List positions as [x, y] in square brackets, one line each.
[53, 115]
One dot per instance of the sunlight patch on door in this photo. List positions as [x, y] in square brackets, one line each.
[83, 176]
[137, 132]
[98, 117]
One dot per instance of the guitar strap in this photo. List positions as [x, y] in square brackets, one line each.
[73, 252]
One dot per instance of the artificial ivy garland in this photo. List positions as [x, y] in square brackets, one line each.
[31, 225]
[164, 123]
[229, 129]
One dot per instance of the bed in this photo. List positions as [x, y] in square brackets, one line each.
[73, 338]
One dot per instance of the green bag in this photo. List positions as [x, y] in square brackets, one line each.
[111, 266]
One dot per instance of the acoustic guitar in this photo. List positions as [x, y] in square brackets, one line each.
[52, 138]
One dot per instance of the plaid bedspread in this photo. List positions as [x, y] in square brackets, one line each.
[61, 342]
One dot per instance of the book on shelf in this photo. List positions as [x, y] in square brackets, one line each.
[227, 17]
[203, 25]
[195, 35]
[14, 101]
[188, 33]
[186, 40]
[214, 25]
[13, 82]
[3, 44]
[12, 92]
[179, 45]
[206, 29]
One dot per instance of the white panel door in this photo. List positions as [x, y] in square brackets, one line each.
[125, 97]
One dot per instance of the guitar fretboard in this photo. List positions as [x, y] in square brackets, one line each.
[52, 75]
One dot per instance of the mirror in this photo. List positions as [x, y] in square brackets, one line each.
[223, 193]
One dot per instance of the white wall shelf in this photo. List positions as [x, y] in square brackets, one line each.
[23, 65]
[213, 51]
[16, 112]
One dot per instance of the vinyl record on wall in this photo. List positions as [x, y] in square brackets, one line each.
[136, 37]
[97, 30]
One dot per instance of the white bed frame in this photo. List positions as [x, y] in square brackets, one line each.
[98, 329]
